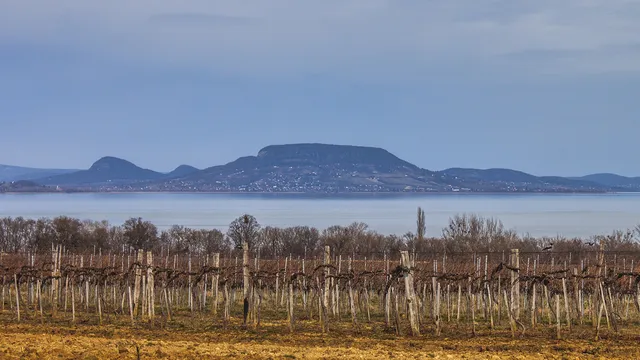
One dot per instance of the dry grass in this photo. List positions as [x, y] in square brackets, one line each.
[196, 338]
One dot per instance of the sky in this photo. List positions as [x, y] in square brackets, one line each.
[544, 86]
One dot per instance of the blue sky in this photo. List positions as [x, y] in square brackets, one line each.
[544, 86]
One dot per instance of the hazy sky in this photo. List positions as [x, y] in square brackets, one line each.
[544, 86]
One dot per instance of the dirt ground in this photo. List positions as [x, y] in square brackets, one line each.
[196, 338]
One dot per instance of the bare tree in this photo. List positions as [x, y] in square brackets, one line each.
[338, 238]
[470, 232]
[301, 240]
[44, 235]
[16, 234]
[96, 233]
[140, 235]
[68, 233]
[177, 238]
[245, 228]
[208, 241]
[244, 231]
[272, 240]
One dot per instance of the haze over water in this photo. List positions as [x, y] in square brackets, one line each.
[581, 215]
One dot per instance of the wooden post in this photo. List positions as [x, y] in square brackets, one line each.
[54, 280]
[396, 315]
[557, 300]
[459, 302]
[39, 295]
[246, 279]
[410, 294]
[150, 285]
[352, 305]
[290, 307]
[73, 303]
[190, 293]
[227, 306]
[167, 302]
[131, 311]
[215, 279]
[304, 288]
[98, 299]
[438, 320]
[337, 289]
[596, 297]
[30, 292]
[515, 284]
[66, 292]
[512, 324]
[15, 281]
[578, 295]
[566, 301]
[387, 295]
[327, 283]
[137, 284]
[275, 303]
[284, 289]
[533, 296]
[472, 310]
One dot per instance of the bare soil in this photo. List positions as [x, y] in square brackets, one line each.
[199, 337]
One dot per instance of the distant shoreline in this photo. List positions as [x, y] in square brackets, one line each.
[470, 193]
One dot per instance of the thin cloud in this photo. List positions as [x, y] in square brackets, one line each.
[198, 19]
[350, 37]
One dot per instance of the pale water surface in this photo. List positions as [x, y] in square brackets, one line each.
[538, 214]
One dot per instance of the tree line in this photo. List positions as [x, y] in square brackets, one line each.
[464, 233]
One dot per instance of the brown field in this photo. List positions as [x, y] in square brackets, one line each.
[554, 309]
[202, 337]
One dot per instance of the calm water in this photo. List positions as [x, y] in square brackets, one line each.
[538, 214]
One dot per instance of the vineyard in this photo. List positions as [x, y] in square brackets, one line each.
[409, 294]
[342, 292]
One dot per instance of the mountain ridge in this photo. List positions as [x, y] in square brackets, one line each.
[316, 167]
[10, 173]
[106, 170]
[182, 170]
[113, 171]
[308, 167]
[613, 180]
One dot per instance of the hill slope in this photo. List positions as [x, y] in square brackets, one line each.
[10, 173]
[182, 170]
[312, 168]
[342, 168]
[107, 170]
[322, 168]
[512, 180]
[613, 180]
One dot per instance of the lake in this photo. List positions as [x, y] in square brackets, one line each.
[538, 214]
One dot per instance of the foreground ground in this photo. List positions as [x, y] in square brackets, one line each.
[197, 338]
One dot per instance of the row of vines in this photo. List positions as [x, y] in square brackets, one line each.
[407, 294]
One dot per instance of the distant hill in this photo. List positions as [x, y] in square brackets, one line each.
[324, 168]
[503, 179]
[488, 175]
[10, 173]
[613, 180]
[23, 186]
[107, 170]
[330, 155]
[344, 168]
[312, 168]
[182, 170]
